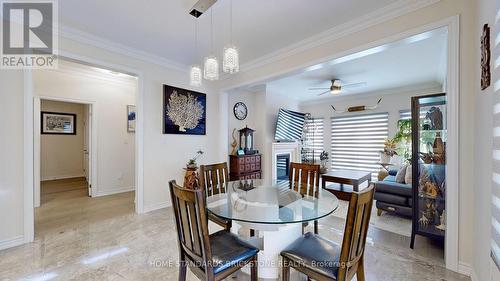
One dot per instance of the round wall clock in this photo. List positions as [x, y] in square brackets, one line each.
[240, 111]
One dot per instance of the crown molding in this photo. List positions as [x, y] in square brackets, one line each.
[376, 17]
[384, 14]
[96, 41]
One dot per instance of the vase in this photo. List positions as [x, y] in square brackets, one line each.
[191, 179]
[384, 158]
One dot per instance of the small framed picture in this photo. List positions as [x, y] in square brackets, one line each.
[240, 152]
[131, 118]
[55, 123]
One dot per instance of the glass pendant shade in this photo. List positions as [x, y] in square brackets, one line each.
[195, 76]
[231, 60]
[211, 68]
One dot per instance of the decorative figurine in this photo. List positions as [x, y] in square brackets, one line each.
[234, 144]
[442, 220]
[423, 220]
[430, 189]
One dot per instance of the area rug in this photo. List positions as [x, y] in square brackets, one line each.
[386, 221]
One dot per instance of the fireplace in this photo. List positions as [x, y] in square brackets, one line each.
[282, 154]
[283, 166]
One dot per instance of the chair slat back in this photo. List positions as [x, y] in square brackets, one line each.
[356, 229]
[304, 178]
[214, 178]
[191, 222]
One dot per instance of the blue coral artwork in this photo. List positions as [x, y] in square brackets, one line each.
[184, 111]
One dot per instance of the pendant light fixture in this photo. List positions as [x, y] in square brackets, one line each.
[195, 75]
[211, 65]
[231, 57]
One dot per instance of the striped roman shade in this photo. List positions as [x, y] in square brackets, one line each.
[290, 125]
[314, 138]
[495, 187]
[357, 140]
[406, 114]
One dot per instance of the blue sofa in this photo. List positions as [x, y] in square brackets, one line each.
[393, 197]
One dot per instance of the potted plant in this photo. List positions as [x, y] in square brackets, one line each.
[388, 152]
[403, 139]
[323, 157]
[191, 164]
[191, 177]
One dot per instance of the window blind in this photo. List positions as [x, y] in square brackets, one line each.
[314, 138]
[357, 140]
[406, 114]
[495, 187]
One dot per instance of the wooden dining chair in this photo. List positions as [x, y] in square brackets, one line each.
[213, 179]
[210, 257]
[321, 259]
[304, 178]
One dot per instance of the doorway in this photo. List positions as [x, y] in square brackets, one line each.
[93, 104]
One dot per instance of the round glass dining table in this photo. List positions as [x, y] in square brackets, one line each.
[274, 210]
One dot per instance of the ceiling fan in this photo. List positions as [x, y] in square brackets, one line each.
[337, 87]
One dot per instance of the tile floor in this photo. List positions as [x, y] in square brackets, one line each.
[82, 238]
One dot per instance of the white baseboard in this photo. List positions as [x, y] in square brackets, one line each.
[156, 206]
[100, 193]
[61, 177]
[9, 243]
[465, 268]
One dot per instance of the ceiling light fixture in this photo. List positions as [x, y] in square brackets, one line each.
[211, 65]
[195, 75]
[231, 57]
[336, 87]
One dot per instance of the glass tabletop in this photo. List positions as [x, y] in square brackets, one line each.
[256, 201]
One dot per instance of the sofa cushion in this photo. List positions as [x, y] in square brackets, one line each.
[400, 176]
[390, 178]
[393, 172]
[408, 175]
[391, 198]
[393, 188]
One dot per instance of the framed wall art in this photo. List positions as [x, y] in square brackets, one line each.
[184, 111]
[56, 123]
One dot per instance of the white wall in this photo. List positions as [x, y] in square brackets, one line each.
[11, 158]
[263, 106]
[391, 103]
[115, 146]
[250, 100]
[61, 156]
[371, 35]
[484, 268]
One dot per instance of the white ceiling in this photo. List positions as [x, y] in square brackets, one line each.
[165, 29]
[417, 60]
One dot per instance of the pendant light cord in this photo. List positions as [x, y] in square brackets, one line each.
[212, 30]
[231, 22]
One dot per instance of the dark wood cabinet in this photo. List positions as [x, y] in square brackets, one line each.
[429, 135]
[243, 167]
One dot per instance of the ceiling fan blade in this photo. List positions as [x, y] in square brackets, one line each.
[354, 85]
[326, 92]
[324, 88]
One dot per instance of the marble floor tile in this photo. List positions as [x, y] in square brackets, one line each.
[82, 238]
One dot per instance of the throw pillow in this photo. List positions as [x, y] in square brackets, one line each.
[408, 174]
[400, 176]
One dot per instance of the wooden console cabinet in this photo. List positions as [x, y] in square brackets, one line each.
[243, 167]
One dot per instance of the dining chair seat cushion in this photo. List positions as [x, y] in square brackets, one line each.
[315, 253]
[228, 250]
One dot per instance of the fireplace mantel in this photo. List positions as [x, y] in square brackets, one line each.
[277, 148]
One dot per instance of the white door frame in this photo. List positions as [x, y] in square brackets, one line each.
[37, 138]
[453, 121]
[29, 141]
